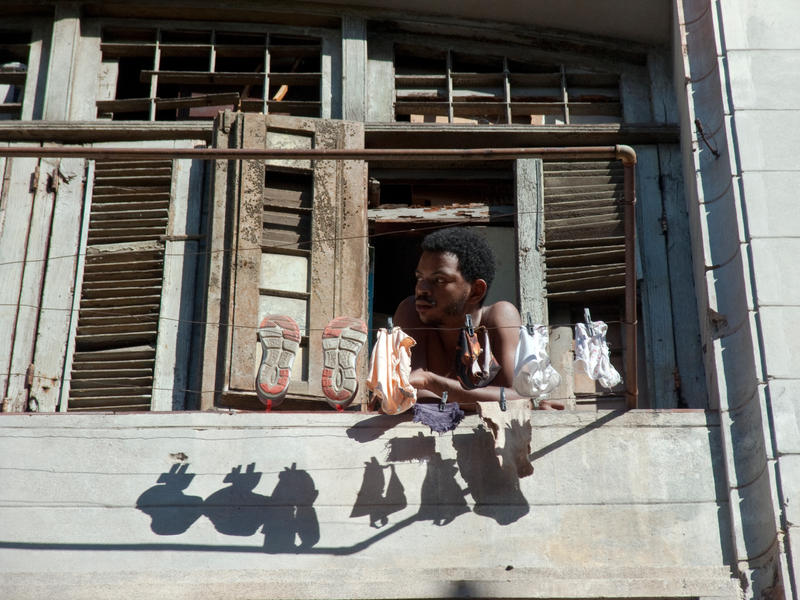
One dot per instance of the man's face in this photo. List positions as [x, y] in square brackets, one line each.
[441, 292]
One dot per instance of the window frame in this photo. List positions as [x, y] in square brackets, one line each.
[336, 285]
[91, 64]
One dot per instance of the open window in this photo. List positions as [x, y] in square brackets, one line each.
[446, 85]
[557, 230]
[182, 73]
[15, 47]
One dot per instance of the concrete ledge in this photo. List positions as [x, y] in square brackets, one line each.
[259, 420]
[327, 505]
[619, 582]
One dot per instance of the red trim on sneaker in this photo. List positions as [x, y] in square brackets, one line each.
[280, 338]
[342, 341]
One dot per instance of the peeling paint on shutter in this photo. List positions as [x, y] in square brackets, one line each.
[584, 230]
[121, 295]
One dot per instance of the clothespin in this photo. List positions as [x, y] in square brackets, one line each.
[389, 324]
[503, 405]
[470, 328]
[529, 324]
[587, 316]
[443, 401]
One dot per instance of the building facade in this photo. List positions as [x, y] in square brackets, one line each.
[137, 460]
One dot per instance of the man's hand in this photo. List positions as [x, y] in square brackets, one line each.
[551, 405]
[419, 379]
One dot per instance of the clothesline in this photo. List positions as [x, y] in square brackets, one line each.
[578, 396]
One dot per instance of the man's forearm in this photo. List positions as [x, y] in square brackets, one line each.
[438, 384]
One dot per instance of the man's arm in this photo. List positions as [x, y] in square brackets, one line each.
[503, 321]
[431, 385]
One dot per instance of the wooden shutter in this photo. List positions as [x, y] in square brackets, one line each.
[115, 345]
[584, 230]
[584, 257]
[300, 243]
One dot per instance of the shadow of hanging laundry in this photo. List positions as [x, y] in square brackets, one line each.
[494, 489]
[372, 500]
[171, 511]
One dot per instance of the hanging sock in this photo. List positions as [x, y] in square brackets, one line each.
[390, 369]
[534, 376]
[475, 365]
[591, 350]
[341, 342]
[511, 430]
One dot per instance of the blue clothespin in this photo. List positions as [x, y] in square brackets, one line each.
[529, 324]
[470, 329]
[443, 401]
[503, 405]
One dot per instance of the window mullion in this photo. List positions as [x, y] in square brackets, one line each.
[154, 77]
[265, 91]
[212, 58]
[564, 96]
[449, 86]
[507, 88]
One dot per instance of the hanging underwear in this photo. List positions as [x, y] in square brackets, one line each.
[389, 371]
[441, 418]
[511, 430]
[534, 376]
[475, 365]
[592, 352]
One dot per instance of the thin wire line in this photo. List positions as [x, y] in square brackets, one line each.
[154, 318]
[583, 395]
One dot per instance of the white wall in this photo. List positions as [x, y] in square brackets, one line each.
[737, 72]
[762, 52]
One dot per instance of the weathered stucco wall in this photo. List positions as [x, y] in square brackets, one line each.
[738, 87]
[762, 52]
[349, 505]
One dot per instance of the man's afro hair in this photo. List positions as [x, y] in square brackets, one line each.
[475, 257]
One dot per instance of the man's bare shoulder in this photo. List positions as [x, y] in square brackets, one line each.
[501, 314]
[406, 314]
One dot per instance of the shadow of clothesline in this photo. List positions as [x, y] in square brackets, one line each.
[174, 547]
[576, 434]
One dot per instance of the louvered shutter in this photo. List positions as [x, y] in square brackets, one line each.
[115, 345]
[584, 230]
[584, 256]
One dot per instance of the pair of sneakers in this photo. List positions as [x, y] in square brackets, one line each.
[342, 341]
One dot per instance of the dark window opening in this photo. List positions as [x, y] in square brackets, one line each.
[583, 253]
[163, 74]
[14, 50]
[446, 86]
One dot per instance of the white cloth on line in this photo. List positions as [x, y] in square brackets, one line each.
[534, 376]
[390, 369]
[591, 351]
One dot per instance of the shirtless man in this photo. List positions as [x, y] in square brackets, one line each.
[453, 276]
